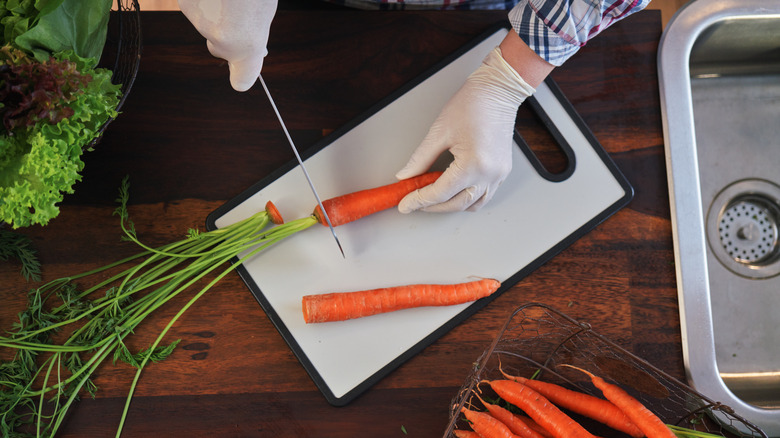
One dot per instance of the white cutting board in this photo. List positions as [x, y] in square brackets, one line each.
[528, 221]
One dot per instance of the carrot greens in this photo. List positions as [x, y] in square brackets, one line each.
[17, 246]
[683, 432]
[47, 374]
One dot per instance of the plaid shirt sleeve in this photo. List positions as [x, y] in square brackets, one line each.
[556, 29]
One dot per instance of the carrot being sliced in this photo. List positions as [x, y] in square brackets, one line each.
[340, 306]
[539, 408]
[646, 420]
[592, 407]
[487, 426]
[353, 206]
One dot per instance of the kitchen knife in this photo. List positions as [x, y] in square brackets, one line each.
[300, 163]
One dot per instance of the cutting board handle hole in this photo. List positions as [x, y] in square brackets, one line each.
[542, 144]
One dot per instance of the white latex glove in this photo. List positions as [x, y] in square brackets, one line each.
[236, 31]
[477, 126]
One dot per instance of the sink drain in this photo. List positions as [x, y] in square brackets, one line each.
[748, 231]
[743, 228]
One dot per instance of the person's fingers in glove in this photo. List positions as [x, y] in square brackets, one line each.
[243, 72]
[236, 31]
[477, 127]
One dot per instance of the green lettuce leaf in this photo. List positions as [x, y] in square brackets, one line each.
[40, 164]
[18, 16]
[78, 25]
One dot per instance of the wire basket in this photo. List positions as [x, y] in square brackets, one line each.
[122, 52]
[537, 338]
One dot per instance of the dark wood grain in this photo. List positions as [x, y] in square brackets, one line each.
[189, 143]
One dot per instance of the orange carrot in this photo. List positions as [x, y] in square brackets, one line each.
[595, 408]
[273, 213]
[340, 306]
[517, 426]
[539, 408]
[648, 422]
[534, 425]
[353, 206]
[487, 426]
[461, 433]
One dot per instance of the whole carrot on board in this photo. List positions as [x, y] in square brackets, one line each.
[353, 206]
[512, 421]
[487, 426]
[646, 420]
[539, 408]
[340, 306]
[598, 409]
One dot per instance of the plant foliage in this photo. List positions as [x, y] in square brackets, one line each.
[67, 331]
[50, 111]
[19, 247]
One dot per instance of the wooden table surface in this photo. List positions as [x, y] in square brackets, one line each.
[189, 143]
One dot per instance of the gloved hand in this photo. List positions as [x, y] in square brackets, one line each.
[236, 31]
[477, 127]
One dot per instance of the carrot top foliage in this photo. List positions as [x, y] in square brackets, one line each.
[45, 376]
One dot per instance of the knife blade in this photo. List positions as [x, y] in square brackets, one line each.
[300, 163]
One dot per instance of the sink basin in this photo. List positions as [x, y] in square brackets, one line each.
[719, 73]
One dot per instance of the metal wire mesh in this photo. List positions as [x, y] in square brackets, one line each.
[122, 51]
[537, 338]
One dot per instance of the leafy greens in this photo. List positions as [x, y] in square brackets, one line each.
[40, 159]
[45, 27]
[53, 101]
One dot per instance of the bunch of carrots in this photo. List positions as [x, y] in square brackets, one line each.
[545, 403]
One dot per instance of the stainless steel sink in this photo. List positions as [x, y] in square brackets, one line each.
[719, 72]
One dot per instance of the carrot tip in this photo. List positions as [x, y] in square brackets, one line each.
[273, 213]
[588, 373]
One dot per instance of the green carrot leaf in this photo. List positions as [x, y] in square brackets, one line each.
[160, 353]
[18, 246]
[683, 432]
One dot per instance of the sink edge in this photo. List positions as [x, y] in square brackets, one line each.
[689, 237]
